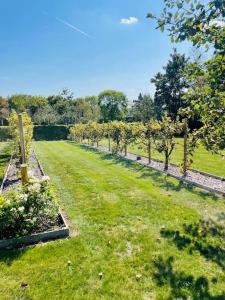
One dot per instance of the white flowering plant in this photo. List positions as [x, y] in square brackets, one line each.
[34, 208]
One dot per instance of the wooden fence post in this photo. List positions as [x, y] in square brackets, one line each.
[24, 171]
[185, 157]
[22, 142]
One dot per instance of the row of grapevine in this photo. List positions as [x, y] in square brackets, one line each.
[120, 135]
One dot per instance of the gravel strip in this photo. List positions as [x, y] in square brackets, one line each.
[202, 180]
[13, 180]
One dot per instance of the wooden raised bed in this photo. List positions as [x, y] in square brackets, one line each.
[56, 233]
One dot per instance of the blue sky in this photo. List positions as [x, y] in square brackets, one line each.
[46, 45]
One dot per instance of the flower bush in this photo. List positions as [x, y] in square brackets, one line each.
[34, 208]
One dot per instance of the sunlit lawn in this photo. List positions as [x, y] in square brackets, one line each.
[203, 160]
[118, 208]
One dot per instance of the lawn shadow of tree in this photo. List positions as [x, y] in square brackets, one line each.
[182, 286]
[9, 256]
[205, 237]
[161, 180]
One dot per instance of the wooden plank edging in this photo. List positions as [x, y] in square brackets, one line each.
[35, 238]
[6, 174]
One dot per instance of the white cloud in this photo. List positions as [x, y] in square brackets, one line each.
[129, 21]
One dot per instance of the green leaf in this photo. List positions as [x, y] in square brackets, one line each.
[150, 16]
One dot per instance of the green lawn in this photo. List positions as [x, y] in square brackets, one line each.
[203, 160]
[5, 154]
[117, 209]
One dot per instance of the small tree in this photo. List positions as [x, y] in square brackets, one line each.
[191, 139]
[96, 132]
[117, 130]
[166, 138]
[113, 105]
[107, 127]
[147, 135]
[128, 136]
[77, 132]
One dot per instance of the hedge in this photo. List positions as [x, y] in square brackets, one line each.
[51, 132]
[4, 133]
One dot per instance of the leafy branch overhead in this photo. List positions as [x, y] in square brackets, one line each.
[203, 24]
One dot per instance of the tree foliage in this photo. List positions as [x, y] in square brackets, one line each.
[143, 109]
[203, 24]
[161, 133]
[113, 105]
[166, 138]
[170, 86]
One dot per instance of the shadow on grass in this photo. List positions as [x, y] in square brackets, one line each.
[182, 286]
[8, 256]
[205, 237]
[161, 180]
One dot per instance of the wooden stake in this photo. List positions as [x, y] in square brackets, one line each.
[22, 142]
[185, 157]
[24, 171]
[24, 174]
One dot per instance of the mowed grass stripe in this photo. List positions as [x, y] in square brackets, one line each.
[94, 184]
[118, 209]
[203, 160]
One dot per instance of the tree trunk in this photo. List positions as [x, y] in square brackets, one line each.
[22, 140]
[97, 144]
[109, 140]
[166, 167]
[149, 152]
[125, 150]
[185, 158]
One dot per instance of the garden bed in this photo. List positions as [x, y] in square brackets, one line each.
[49, 229]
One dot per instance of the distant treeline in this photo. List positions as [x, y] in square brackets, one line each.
[110, 105]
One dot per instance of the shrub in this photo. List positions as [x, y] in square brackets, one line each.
[51, 133]
[32, 209]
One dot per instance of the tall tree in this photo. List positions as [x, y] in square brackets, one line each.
[46, 115]
[66, 94]
[26, 103]
[203, 24]
[113, 105]
[81, 110]
[143, 109]
[170, 86]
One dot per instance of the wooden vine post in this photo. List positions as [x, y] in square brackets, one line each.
[24, 171]
[109, 141]
[185, 158]
[149, 151]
